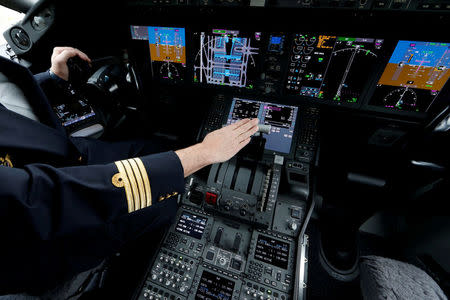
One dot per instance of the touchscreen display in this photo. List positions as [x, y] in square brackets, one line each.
[166, 48]
[226, 57]
[414, 76]
[280, 117]
[330, 67]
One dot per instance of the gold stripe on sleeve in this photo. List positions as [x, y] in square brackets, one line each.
[140, 183]
[133, 183]
[126, 184]
[148, 190]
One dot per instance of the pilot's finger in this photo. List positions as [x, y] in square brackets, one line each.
[244, 142]
[82, 55]
[245, 127]
[251, 131]
[59, 50]
[239, 123]
[64, 56]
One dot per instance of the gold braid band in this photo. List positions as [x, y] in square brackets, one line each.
[121, 180]
[133, 183]
[134, 178]
[140, 183]
[148, 190]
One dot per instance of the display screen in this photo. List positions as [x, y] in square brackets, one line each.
[214, 287]
[332, 68]
[73, 112]
[280, 117]
[167, 50]
[226, 57]
[191, 225]
[276, 44]
[414, 76]
[272, 251]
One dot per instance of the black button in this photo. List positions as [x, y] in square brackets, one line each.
[210, 255]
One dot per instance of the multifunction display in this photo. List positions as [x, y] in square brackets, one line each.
[280, 117]
[414, 76]
[73, 112]
[191, 225]
[214, 287]
[333, 68]
[226, 57]
[272, 251]
[167, 47]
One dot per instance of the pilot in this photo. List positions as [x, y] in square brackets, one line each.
[67, 203]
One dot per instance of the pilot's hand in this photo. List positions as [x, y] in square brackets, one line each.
[60, 57]
[223, 144]
[218, 146]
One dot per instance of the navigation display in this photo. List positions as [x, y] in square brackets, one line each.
[272, 251]
[414, 76]
[333, 68]
[167, 47]
[280, 117]
[191, 225]
[226, 57]
[214, 287]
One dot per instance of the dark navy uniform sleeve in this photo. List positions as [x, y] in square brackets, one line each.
[42, 77]
[126, 197]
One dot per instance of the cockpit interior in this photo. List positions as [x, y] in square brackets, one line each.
[342, 194]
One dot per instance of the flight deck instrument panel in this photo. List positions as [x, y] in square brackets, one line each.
[415, 74]
[316, 67]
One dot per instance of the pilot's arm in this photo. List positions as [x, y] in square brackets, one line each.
[41, 202]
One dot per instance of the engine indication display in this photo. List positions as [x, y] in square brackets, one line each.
[272, 251]
[214, 287]
[414, 76]
[191, 225]
[226, 57]
[280, 117]
[333, 68]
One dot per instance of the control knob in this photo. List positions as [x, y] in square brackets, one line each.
[228, 205]
[222, 261]
[292, 225]
[243, 210]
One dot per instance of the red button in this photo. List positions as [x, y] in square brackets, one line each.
[211, 198]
